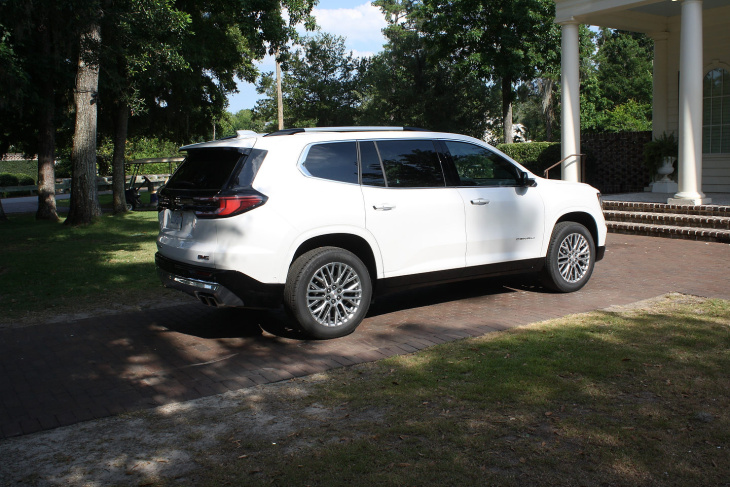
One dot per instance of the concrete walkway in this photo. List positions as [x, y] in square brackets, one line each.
[64, 373]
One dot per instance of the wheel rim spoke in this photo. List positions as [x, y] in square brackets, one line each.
[334, 294]
[574, 257]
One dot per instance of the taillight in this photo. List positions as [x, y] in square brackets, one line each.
[225, 206]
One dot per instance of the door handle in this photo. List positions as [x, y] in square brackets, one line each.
[480, 201]
[384, 207]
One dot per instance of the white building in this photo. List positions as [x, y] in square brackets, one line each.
[691, 82]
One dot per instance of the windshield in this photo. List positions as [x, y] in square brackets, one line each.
[205, 169]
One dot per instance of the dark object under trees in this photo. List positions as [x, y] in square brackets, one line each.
[84, 207]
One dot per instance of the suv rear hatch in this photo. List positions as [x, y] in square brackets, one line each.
[211, 185]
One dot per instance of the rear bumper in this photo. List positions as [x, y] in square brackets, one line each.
[218, 287]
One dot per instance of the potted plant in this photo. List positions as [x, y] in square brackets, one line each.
[660, 154]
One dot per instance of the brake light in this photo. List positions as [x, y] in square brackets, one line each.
[225, 206]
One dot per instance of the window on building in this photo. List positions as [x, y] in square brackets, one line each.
[716, 112]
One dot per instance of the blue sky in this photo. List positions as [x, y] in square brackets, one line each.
[356, 20]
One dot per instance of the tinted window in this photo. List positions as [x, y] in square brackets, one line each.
[478, 166]
[336, 161]
[411, 164]
[372, 171]
[205, 169]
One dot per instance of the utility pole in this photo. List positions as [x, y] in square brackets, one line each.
[279, 97]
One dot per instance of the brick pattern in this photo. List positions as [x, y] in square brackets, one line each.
[616, 161]
[65, 373]
[708, 222]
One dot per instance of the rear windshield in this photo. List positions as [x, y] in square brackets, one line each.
[205, 169]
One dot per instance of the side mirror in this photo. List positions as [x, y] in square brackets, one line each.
[525, 180]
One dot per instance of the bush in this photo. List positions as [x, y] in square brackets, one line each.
[535, 156]
[25, 167]
[7, 179]
[25, 180]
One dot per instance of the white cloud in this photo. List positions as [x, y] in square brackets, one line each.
[361, 26]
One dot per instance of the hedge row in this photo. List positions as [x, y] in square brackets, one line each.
[25, 168]
[535, 156]
[8, 179]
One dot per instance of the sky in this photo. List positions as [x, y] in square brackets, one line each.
[356, 20]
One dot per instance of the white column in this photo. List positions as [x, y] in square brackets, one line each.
[570, 116]
[690, 107]
[660, 83]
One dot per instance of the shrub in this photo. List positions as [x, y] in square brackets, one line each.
[25, 180]
[535, 156]
[7, 179]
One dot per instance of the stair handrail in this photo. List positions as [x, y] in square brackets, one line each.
[582, 165]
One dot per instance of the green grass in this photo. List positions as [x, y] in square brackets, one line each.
[638, 398]
[49, 268]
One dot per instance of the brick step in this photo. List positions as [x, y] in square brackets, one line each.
[669, 231]
[706, 210]
[669, 219]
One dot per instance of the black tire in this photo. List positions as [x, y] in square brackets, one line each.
[570, 258]
[328, 292]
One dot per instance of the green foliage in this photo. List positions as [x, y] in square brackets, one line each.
[666, 145]
[320, 86]
[535, 156]
[25, 180]
[25, 168]
[616, 83]
[243, 120]
[7, 179]
[505, 41]
[411, 84]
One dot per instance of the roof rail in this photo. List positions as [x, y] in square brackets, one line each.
[345, 129]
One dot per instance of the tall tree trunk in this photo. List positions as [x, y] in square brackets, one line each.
[84, 196]
[3, 218]
[46, 170]
[46, 141]
[507, 109]
[120, 141]
[548, 86]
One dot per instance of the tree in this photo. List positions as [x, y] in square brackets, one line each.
[616, 82]
[143, 41]
[320, 85]
[37, 42]
[84, 205]
[507, 41]
[410, 84]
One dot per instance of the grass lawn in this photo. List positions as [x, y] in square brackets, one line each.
[49, 268]
[632, 398]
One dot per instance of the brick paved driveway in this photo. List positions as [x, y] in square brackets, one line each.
[61, 374]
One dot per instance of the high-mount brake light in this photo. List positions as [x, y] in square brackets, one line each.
[225, 206]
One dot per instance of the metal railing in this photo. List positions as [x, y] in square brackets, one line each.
[581, 174]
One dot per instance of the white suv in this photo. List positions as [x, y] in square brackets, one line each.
[321, 219]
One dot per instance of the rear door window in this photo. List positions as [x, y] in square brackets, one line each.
[411, 164]
[335, 161]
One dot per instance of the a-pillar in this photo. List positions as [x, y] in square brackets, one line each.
[570, 116]
[690, 107]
